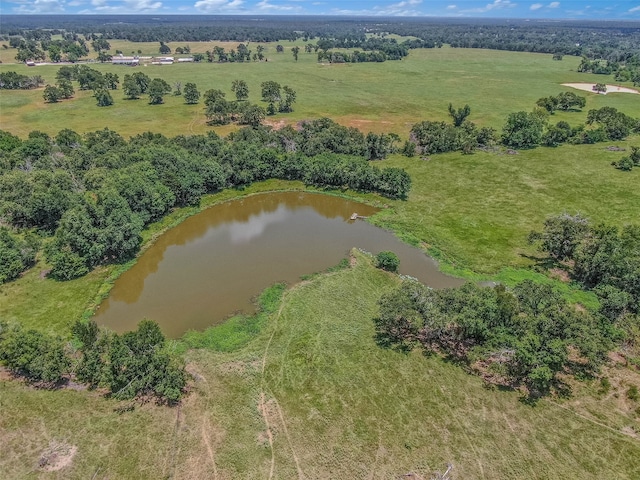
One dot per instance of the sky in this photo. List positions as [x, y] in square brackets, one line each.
[533, 9]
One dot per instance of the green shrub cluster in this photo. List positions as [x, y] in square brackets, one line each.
[16, 254]
[129, 365]
[525, 336]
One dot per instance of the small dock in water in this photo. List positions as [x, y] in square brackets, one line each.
[355, 216]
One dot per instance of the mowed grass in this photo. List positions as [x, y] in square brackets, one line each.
[380, 97]
[336, 406]
[476, 211]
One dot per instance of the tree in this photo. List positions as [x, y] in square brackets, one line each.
[111, 81]
[157, 89]
[66, 89]
[104, 57]
[286, 104]
[388, 261]
[459, 115]
[191, 94]
[253, 115]
[131, 88]
[51, 94]
[55, 53]
[100, 44]
[142, 80]
[522, 130]
[220, 53]
[211, 96]
[600, 88]
[103, 98]
[218, 112]
[241, 89]
[16, 255]
[568, 100]
[279, 48]
[94, 346]
[270, 91]
[561, 235]
[164, 48]
[138, 364]
[37, 356]
[295, 50]
[66, 73]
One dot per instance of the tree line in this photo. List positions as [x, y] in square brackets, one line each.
[529, 335]
[601, 257]
[624, 70]
[134, 364]
[90, 196]
[17, 81]
[611, 41]
[522, 129]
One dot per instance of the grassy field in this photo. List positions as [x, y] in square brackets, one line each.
[314, 397]
[381, 97]
[475, 211]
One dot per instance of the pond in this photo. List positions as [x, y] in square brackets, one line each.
[215, 263]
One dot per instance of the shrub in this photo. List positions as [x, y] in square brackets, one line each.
[388, 261]
[39, 357]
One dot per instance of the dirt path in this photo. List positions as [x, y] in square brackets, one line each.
[170, 462]
[206, 423]
[206, 426]
[192, 123]
[263, 402]
[595, 422]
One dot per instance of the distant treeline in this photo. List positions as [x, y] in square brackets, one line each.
[611, 41]
[89, 197]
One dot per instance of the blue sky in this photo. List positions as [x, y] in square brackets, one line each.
[581, 9]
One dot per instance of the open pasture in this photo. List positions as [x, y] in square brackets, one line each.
[380, 97]
[313, 396]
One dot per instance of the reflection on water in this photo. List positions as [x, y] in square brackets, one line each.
[214, 263]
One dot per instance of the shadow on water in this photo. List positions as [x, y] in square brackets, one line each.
[212, 264]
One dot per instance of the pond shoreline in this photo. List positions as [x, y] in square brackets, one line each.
[162, 226]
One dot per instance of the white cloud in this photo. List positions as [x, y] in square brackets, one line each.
[538, 6]
[216, 6]
[265, 5]
[123, 7]
[496, 5]
[452, 7]
[403, 8]
[41, 6]
[634, 9]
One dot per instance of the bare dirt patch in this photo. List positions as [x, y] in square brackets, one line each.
[57, 456]
[560, 274]
[588, 87]
[276, 125]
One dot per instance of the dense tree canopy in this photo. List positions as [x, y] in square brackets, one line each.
[522, 336]
[93, 194]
